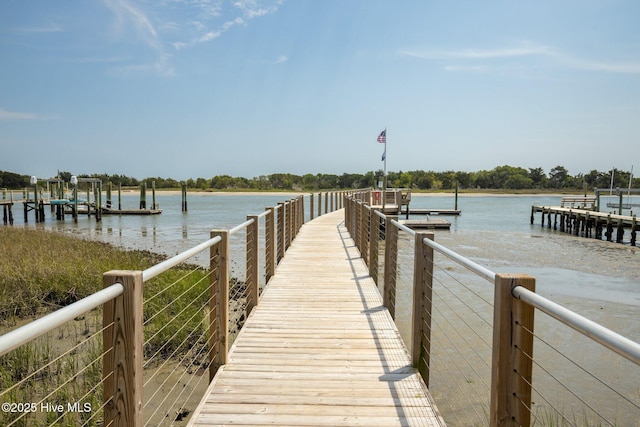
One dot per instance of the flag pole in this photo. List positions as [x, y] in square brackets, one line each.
[384, 188]
[382, 138]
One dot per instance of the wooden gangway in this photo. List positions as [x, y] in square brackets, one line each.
[319, 349]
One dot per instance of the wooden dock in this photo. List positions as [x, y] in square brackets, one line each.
[588, 223]
[427, 224]
[319, 349]
[107, 211]
[420, 211]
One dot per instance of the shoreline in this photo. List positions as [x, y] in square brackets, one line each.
[306, 193]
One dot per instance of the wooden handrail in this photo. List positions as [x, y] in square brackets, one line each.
[122, 300]
[515, 302]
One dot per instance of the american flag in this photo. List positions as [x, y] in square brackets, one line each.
[382, 138]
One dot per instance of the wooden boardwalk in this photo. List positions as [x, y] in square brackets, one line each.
[319, 349]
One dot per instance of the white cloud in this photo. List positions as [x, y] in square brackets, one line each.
[13, 115]
[208, 30]
[604, 66]
[187, 22]
[253, 8]
[129, 16]
[526, 49]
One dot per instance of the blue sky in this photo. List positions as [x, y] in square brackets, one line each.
[197, 88]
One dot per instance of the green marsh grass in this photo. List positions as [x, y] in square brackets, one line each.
[41, 271]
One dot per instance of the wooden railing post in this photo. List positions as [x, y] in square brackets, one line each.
[365, 218]
[390, 265]
[252, 263]
[347, 216]
[280, 232]
[299, 214]
[320, 204]
[422, 304]
[512, 353]
[374, 236]
[295, 217]
[326, 202]
[311, 206]
[270, 244]
[356, 224]
[123, 351]
[287, 224]
[219, 303]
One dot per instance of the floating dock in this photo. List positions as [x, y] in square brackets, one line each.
[430, 224]
[107, 211]
[451, 212]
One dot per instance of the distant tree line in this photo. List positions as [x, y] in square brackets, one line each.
[502, 177]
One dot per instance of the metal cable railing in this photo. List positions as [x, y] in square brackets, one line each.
[175, 315]
[470, 321]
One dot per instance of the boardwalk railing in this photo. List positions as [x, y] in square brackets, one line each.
[499, 337]
[149, 354]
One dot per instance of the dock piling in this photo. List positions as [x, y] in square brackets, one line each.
[582, 222]
[184, 197]
[143, 195]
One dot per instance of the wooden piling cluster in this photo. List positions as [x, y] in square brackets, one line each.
[588, 223]
[34, 199]
[7, 211]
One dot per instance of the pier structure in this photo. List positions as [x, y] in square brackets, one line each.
[64, 199]
[309, 338]
[579, 216]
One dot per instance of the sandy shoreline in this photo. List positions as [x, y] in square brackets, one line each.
[306, 193]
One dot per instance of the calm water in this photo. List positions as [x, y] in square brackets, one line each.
[598, 279]
[494, 231]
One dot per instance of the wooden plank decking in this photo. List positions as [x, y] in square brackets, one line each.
[319, 349]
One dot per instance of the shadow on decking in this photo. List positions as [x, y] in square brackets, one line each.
[389, 357]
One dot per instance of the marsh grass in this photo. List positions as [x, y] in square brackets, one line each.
[47, 374]
[41, 271]
[550, 417]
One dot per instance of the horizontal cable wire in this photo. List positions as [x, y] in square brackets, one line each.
[66, 353]
[146, 322]
[580, 367]
[159, 389]
[44, 399]
[479, 356]
[464, 339]
[101, 407]
[551, 405]
[463, 302]
[99, 358]
[447, 320]
[184, 325]
[186, 385]
[566, 387]
[458, 367]
[169, 286]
